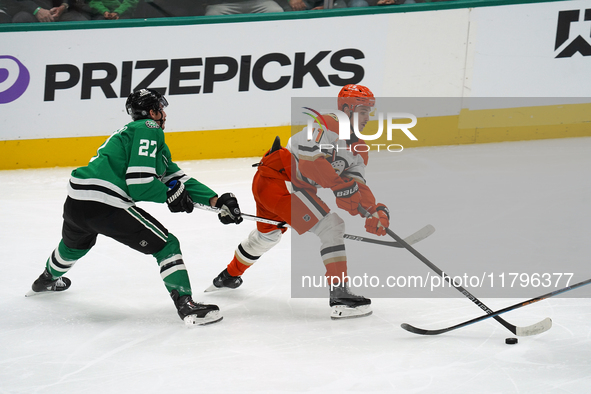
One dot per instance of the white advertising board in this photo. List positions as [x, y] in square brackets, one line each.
[221, 76]
[243, 75]
[532, 50]
[215, 76]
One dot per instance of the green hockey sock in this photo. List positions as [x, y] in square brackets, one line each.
[62, 259]
[172, 268]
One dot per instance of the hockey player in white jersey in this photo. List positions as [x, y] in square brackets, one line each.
[285, 189]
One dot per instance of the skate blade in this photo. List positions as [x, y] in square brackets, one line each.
[346, 312]
[212, 288]
[210, 318]
[32, 293]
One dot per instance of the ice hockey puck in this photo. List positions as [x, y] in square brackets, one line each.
[510, 341]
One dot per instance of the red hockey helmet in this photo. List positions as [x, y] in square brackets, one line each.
[354, 95]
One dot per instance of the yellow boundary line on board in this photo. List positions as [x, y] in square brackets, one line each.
[468, 127]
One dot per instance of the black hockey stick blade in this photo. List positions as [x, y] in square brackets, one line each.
[535, 329]
[511, 327]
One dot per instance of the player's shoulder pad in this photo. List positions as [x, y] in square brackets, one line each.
[332, 122]
[151, 124]
[147, 128]
[333, 116]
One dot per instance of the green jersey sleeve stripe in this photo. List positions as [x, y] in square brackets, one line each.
[141, 170]
[178, 175]
[139, 179]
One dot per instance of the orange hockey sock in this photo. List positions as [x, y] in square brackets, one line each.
[236, 268]
[335, 270]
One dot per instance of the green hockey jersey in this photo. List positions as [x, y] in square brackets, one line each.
[133, 164]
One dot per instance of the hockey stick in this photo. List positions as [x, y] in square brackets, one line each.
[534, 329]
[244, 215]
[422, 331]
[411, 239]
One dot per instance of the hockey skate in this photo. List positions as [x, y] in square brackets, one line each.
[195, 313]
[224, 281]
[46, 284]
[347, 305]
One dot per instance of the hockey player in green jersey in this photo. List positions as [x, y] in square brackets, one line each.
[134, 164]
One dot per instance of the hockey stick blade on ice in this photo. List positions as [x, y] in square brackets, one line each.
[519, 331]
[411, 239]
[525, 330]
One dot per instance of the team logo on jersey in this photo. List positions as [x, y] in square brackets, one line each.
[339, 165]
[151, 124]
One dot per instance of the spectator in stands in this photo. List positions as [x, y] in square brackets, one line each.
[169, 8]
[112, 9]
[223, 7]
[394, 2]
[4, 13]
[303, 5]
[46, 11]
[398, 2]
[362, 3]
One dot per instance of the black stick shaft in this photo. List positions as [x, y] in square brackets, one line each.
[439, 272]
[284, 224]
[495, 313]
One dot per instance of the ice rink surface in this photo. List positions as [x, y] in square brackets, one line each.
[116, 330]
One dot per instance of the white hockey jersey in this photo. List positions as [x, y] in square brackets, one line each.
[325, 161]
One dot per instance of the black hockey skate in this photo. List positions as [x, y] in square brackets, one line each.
[346, 304]
[195, 313]
[225, 280]
[45, 284]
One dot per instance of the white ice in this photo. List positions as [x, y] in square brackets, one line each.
[116, 331]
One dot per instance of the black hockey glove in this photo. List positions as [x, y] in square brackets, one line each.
[177, 198]
[230, 213]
